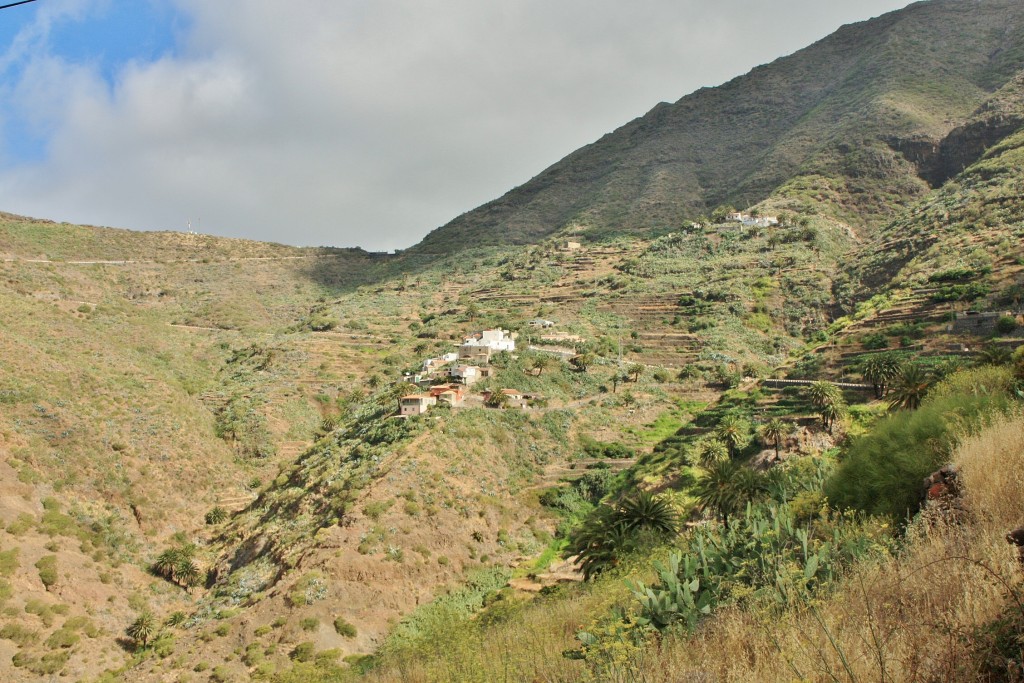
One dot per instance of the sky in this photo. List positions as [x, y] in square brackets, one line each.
[345, 122]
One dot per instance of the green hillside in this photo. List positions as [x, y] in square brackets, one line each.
[854, 119]
[704, 457]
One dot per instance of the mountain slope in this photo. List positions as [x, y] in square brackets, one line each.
[852, 108]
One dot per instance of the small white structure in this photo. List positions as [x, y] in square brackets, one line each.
[481, 345]
[432, 364]
[747, 219]
[416, 404]
[541, 323]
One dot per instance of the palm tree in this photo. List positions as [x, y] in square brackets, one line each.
[540, 363]
[832, 413]
[910, 388]
[717, 489]
[728, 487]
[734, 432]
[994, 354]
[879, 369]
[583, 361]
[774, 430]
[645, 512]
[711, 451]
[822, 392]
[165, 563]
[827, 398]
[142, 629]
[186, 573]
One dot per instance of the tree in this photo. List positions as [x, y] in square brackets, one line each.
[644, 511]
[994, 354]
[879, 369]
[186, 573]
[773, 431]
[636, 369]
[728, 487]
[165, 563]
[473, 311]
[734, 432]
[541, 362]
[828, 400]
[611, 532]
[583, 361]
[831, 413]
[910, 387]
[497, 400]
[142, 629]
[822, 392]
[710, 451]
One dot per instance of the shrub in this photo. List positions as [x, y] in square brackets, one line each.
[309, 624]
[1006, 324]
[344, 628]
[216, 515]
[47, 566]
[882, 472]
[304, 652]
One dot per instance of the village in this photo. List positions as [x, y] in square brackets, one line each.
[462, 370]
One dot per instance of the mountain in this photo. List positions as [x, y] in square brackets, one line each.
[871, 116]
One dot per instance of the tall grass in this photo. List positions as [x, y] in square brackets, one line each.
[949, 607]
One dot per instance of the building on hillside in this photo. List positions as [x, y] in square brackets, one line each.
[416, 404]
[466, 374]
[432, 364]
[479, 347]
[749, 220]
[980, 324]
[541, 323]
[571, 245]
[452, 394]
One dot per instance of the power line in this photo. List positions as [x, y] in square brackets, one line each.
[15, 4]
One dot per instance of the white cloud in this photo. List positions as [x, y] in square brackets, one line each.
[356, 122]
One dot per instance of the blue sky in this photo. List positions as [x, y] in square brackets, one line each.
[104, 35]
[344, 122]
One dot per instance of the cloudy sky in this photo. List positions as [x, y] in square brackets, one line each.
[344, 122]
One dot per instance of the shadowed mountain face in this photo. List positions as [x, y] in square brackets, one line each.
[879, 110]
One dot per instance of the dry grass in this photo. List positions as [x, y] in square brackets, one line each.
[921, 616]
[925, 615]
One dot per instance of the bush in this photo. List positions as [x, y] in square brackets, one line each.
[47, 566]
[304, 652]
[309, 624]
[1006, 324]
[882, 472]
[344, 628]
[216, 515]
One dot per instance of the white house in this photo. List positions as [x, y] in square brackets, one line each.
[540, 322]
[481, 345]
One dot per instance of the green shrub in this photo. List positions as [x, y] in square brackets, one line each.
[304, 652]
[1006, 324]
[8, 561]
[344, 628]
[47, 566]
[882, 471]
[62, 638]
[309, 623]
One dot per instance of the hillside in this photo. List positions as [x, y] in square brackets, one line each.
[857, 124]
[205, 476]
